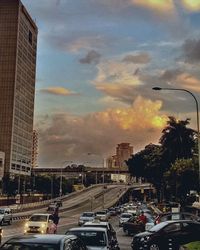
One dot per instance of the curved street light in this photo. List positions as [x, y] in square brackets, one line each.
[197, 113]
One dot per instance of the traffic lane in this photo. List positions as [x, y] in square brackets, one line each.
[123, 239]
[67, 219]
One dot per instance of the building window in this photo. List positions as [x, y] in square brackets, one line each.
[30, 37]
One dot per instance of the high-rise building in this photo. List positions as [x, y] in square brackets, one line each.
[34, 149]
[18, 44]
[123, 153]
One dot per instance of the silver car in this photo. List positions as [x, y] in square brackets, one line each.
[95, 238]
[85, 217]
[124, 217]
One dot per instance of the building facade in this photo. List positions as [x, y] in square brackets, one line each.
[123, 153]
[34, 161]
[18, 45]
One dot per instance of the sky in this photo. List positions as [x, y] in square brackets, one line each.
[97, 61]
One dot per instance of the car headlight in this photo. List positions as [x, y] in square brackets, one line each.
[26, 225]
[43, 225]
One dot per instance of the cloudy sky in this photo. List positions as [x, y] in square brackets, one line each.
[97, 63]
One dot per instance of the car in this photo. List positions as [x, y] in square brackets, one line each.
[167, 235]
[40, 223]
[53, 208]
[40, 242]
[58, 202]
[133, 226]
[86, 216]
[5, 216]
[112, 211]
[123, 218]
[104, 224]
[171, 216]
[102, 215]
[95, 238]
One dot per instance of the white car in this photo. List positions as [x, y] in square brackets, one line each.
[40, 223]
[102, 215]
[124, 217]
[86, 216]
[95, 238]
[5, 216]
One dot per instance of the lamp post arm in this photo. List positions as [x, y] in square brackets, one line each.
[196, 102]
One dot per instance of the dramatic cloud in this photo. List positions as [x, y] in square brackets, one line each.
[191, 5]
[142, 58]
[191, 50]
[57, 91]
[188, 81]
[81, 42]
[100, 132]
[92, 57]
[164, 6]
[170, 75]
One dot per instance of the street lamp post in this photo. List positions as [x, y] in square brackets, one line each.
[197, 113]
[61, 176]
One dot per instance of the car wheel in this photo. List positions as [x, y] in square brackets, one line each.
[154, 246]
[10, 222]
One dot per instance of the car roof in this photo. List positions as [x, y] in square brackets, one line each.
[175, 221]
[99, 229]
[41, 214]
[40, 238]
[96, 223]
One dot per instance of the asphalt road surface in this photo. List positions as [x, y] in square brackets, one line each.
[69, 218]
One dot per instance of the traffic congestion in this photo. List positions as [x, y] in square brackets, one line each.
[133, 225]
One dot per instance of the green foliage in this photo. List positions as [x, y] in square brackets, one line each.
[177, 140]
[193, 245]
[169, 165]
[147, 164]
[182, 177]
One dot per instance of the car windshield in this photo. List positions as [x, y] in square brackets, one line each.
[1, 211]
[126, 216]
[101, 213]
[30, 246]
[87, 215]
[158, 227]
[96, 225]
[38, 218]
[91, 238]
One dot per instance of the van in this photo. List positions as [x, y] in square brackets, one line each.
[5, 216]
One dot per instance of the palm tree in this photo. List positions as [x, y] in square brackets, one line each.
[177, 140]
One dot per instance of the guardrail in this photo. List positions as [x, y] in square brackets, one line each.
[17, 217]
[41, 204]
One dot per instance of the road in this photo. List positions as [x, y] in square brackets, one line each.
[69, 218]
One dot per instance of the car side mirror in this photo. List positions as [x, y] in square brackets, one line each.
[50, 221]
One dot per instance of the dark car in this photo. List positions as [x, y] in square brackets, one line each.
[175, 216]
[133, 226]
[167, 235]
[45, 242]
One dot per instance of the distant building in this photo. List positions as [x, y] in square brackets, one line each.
[34, 149]
[18, 44]
[2, 163]
[123, 153]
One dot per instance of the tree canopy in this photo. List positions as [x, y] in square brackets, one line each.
[169, 163]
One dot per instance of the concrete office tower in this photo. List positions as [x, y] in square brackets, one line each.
[123, 152]
[35, 149]
[18, 44]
